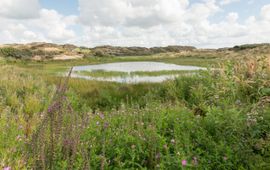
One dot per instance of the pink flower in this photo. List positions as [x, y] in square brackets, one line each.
[7, 168]
[184, 162]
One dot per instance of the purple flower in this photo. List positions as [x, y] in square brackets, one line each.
[54, 107]
[106, 125]
[102, 116]
[184, 162]
[7, 168]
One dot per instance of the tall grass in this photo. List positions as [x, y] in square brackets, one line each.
[214, 120]
[23, 98]
[58, 131]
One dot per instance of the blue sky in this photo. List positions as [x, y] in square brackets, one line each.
[65, 7]
[244, 8]
[201, 23]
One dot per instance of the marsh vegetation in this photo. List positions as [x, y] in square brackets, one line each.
[215, 119]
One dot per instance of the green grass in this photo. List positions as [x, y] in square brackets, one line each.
[2, 61]
[203, 61]
[212, 120]
[102, 73]
[108, 95]
[160, 73]
[54, 67]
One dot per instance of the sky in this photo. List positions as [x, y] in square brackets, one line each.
[148, 23]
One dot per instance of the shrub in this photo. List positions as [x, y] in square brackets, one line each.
[10, 52]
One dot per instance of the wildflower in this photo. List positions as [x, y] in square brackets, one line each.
[101, 115]
[158, 155]
[7, 168]
[54, 107]
[67, 142]
[20, 127]
[97, 123]
[173, 141]
[106, 125]
[19, 138]
[238, 102]
[195, 161]
[184, 162]
[165, 147]
[225, 158]
[133, 146]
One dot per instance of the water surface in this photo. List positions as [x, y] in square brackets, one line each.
[136, 66]
[129, 67]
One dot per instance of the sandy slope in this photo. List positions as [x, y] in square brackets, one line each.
[67, 57]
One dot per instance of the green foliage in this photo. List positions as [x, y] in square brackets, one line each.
[101, 73]
[100, 53]
[23, 98]
[10, 52]
[212, 120]
[247, 46]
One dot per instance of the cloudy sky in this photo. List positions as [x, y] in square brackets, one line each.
[201, 23]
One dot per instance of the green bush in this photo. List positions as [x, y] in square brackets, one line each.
[10, 52]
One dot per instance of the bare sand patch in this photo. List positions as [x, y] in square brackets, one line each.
[67, 57]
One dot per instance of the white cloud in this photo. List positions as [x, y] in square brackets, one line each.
[201, 11]
[55, 26]
[49, 26]
[19, 9]
[135, 23]
[265, 12]
[226, 2]
[158, 23]
[141, 13]
[13, 32]
[232, 17]
[146, 23]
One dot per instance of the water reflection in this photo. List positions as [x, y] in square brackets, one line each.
[129, 67]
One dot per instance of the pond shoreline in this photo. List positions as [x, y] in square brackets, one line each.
[133, 72]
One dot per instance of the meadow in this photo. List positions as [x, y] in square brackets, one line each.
[216, 119]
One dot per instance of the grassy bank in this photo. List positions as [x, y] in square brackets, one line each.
[102, 73]
[212, 120]
[53, 67]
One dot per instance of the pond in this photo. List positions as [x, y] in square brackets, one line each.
[132, 67]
